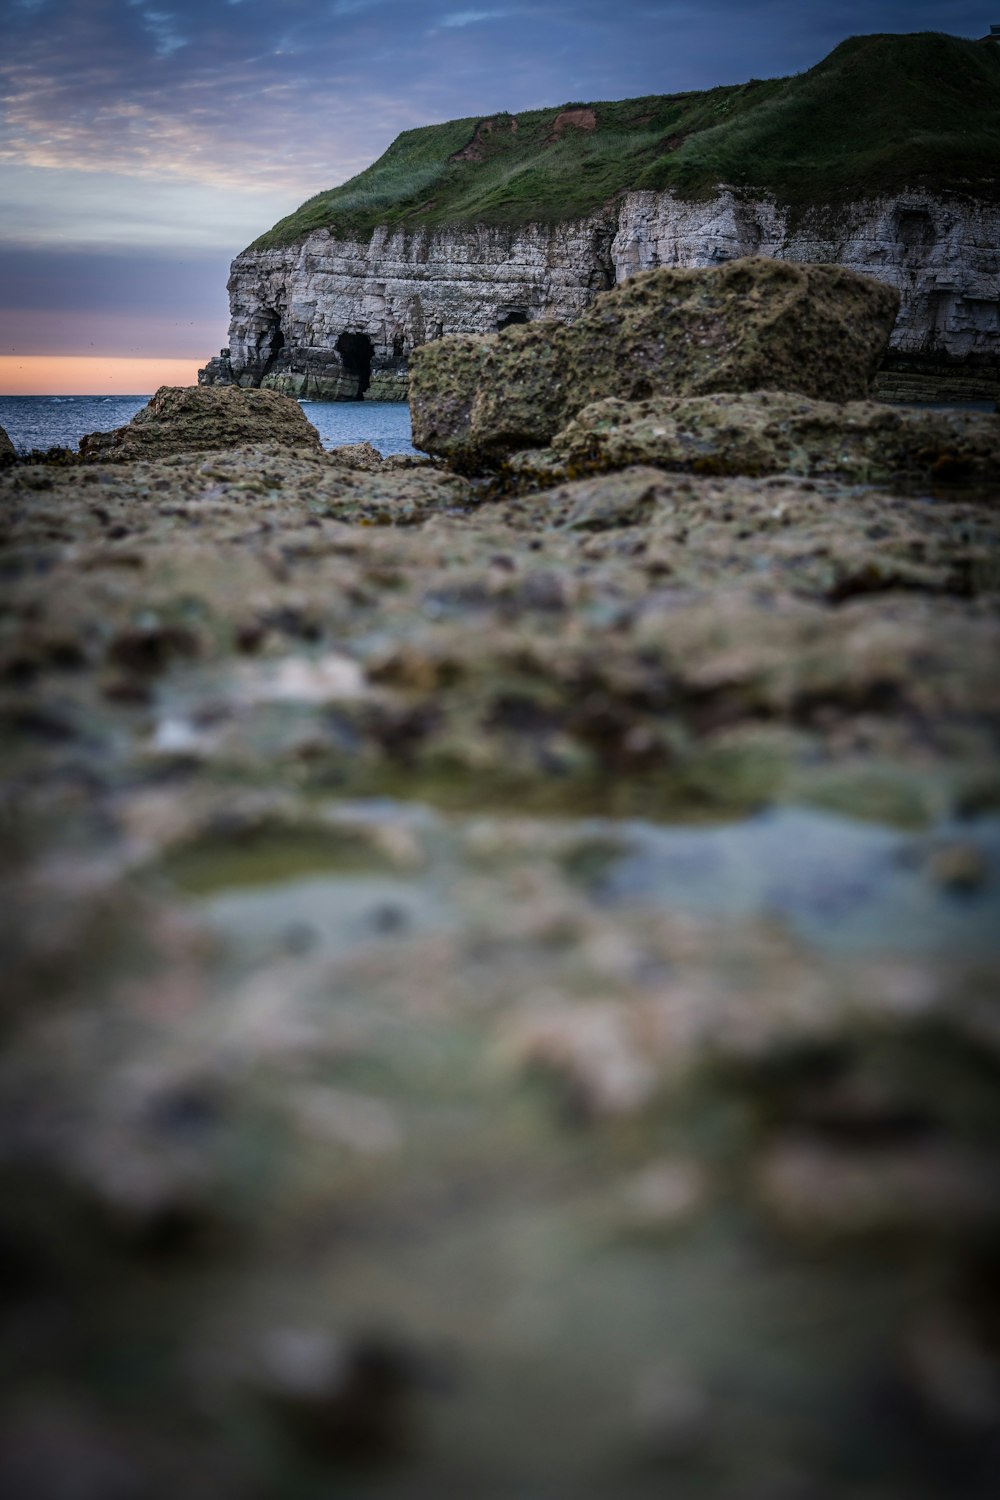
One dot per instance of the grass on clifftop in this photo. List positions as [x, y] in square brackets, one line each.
[879, 115]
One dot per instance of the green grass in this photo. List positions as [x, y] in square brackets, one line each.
[881, 114]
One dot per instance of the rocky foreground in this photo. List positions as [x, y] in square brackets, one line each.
[502, 973]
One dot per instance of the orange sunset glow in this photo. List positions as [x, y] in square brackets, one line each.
[71, 375]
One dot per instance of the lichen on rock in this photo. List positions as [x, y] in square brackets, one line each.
[746, 325]
[771, 432]
[189, 419]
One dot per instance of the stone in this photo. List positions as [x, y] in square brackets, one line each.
[8, 453]
[770, 432]
[218, 370]
[958, 866]
[362, 456]
[664, 1196]
[822, 1191]
[347, 1398]
[742, 326]
[190, 419]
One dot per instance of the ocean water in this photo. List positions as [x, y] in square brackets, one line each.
[384, 424]
[61, 421]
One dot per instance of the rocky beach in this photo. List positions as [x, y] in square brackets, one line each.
[502, 955]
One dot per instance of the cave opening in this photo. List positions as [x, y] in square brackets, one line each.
[507, 317]
[271, 341]
[357, 351]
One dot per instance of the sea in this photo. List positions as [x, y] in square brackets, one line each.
[61, 421]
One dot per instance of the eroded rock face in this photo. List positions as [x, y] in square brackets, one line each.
[8, 453]
[292, 307]
[403, 288]
[191, 419]
[218, 370]
[741, 326]
[770, 432]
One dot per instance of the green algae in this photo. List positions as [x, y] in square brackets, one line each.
[263, 857]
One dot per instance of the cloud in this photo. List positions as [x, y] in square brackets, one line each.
[224, 111]
[162, 27]
[473, 17]
[59, 206]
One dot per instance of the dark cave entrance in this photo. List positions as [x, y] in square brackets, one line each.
[270, 342]
[507, 317]
[357, 351]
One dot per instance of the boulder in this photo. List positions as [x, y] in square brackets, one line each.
[362, 456]
[218, 370]
[741, 326]
[192, 419]
[770, 432]
[8, 453]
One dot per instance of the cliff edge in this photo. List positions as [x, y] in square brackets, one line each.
[882, 158]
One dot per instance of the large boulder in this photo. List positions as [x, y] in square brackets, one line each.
[193, 419]
[742, 326]
[770, 432]
[8, 453]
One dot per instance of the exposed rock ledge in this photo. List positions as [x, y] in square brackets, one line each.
[338, 319]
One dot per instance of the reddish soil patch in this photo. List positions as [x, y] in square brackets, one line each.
[580, 119]
[473, 151]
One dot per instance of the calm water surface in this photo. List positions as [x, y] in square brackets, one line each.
[61, 421]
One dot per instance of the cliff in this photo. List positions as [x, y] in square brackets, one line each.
[868, 160]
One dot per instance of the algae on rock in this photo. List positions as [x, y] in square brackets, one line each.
[770, 432]
[745, 325]
[189, 419]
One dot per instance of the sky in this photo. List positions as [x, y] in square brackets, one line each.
[143, 143]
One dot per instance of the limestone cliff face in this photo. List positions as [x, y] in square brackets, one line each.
[337, 318]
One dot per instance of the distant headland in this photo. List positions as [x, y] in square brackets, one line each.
[882, 158]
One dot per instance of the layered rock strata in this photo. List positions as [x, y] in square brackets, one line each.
[339, 318]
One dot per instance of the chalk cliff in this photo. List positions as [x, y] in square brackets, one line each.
[338, 318]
